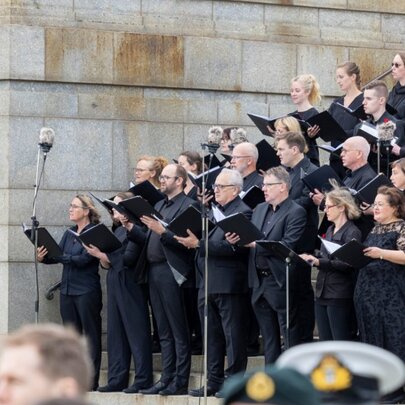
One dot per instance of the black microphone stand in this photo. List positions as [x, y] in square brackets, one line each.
[45, 148]
[204, 218]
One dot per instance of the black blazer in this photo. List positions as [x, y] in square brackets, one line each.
[300, 194]
[227, 264]
[396, 99]
[287, 226]
[179, 258]
[80, 270]
[336, 279]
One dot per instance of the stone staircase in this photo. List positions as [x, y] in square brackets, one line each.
[195, 381]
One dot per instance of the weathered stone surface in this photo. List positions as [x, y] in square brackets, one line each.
[213, 63]
[4, 152]
[386, 6]
[4, 52]
[267, 67]
[183, 10]
[372, 62]
[26, 52]
[235, 113]
[22, 294]
[148, 59]
[4, 313]
[148, 138]
[78, 55]
[393, 30]
[321, 61]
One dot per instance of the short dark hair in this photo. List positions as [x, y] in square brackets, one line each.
[294, 139]
[181, 172]
[380, 88]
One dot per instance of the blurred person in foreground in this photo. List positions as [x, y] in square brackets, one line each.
[41, 362]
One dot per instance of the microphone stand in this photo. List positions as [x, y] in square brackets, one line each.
[35, 224]
[204, 219]
[378, 155]
[287, 299]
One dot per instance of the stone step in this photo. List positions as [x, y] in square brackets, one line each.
[195, 380]
[138, 399]
[197, 362]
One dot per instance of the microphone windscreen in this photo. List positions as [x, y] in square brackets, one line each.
[46, 136]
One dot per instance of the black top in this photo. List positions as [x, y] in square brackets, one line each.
[252, 179]
[313, 152]
[154, 251]
[228, 264]
[299, 192]
[360, 177]
[336, 280]
[80, 270]
[396, 99]
[346, 120]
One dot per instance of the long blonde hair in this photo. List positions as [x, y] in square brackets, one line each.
[310, 85]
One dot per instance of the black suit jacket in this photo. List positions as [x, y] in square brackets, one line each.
[300, 194]
[179, 258]
[287, 226]
[227, 264]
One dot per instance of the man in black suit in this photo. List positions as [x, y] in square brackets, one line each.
[280, 219]
[290, 150]
[244, 159]
[227, 287]
[170, 268]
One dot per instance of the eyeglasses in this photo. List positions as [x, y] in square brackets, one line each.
[327, 207]
[240, 157]
[138, 170]
[270, 184]
[379, 205]
[75, 207]
[221, 186]
[165, 178]
[397, 65]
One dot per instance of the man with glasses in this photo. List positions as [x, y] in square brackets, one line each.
[280, 219]
[244, 160]
[170, 268]
[227, 287]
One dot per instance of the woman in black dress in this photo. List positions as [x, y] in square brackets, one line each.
[192, 162]
[305, 93]
[348, 79]
[80, 290]
[396, 97]
[334, 310]
[380, 289]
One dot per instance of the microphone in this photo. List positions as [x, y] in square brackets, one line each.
[46, 138]
[386, 132]
[214, 138]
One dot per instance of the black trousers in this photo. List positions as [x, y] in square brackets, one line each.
[128, 331]
[335, 322]
[227, 334]
[167, 301]
[83, 312]
[270, 310]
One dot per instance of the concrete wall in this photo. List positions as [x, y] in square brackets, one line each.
[119, 78]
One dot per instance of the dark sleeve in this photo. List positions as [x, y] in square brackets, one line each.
[137, 234]
[330, 263]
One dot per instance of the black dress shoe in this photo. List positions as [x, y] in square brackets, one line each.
[219, 394]
[133, 389]
[109, 388]
[174, 389]
[155, 389]
[199, 392]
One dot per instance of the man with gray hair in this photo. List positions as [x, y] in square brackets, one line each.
[280, 219]
[42, 362]
[227, 287]
[244, 159]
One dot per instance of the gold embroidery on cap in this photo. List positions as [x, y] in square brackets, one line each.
[260, 387]
[331, 375]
